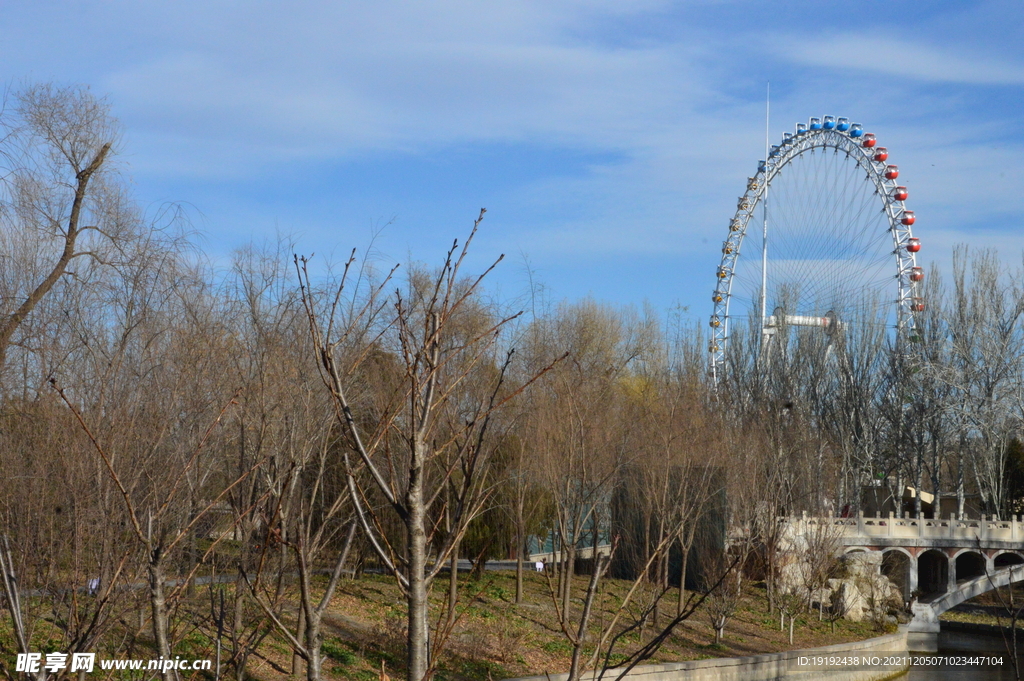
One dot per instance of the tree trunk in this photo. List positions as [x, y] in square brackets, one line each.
[191, 550]
[519, 568]
[418, 632]
[158, 605]
[960, 494]
[568, 569]
[684, 554]
[581, 633]
[238, 621]
[918, 479]
[453, 584]
[300, 634]
[313, 662]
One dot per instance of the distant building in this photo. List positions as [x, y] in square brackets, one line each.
[878, 500]
[628, 511]
[594, 531]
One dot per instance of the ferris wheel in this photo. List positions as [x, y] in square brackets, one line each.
[825, 235]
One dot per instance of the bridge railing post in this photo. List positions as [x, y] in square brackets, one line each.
[891, 523]
[860, 523]
[983, 527]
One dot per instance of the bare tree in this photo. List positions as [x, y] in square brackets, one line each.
[527, 503]
[291, 517]
[616, 434]
[722, 602]
[79, 282]
[58, 200]
[987, 343]
[819, 556]
[432, 434]
[155, 511]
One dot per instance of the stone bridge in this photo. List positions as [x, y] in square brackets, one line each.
[944, 561]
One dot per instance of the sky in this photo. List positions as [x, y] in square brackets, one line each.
[608, 140]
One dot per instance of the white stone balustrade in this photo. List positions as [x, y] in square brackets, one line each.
[863, 527]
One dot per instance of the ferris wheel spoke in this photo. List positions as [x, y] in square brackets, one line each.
[839, 242]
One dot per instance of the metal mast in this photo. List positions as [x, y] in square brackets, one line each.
[764, 236]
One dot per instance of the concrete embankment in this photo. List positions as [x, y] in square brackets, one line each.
[840, 662]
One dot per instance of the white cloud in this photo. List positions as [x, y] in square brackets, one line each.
[901, 60]
[393, 95]
[230, 94]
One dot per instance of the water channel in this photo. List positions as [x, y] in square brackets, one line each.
[961, 644]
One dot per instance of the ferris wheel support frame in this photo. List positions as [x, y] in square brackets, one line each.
[852, 143]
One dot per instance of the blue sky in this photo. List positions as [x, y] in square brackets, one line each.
[607, 139]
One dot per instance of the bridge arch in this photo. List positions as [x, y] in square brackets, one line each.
[969, 564]
[900, 566]
[933, 571]
[926, 615]
[1006, 558]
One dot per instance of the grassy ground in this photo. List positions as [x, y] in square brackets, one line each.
[497, 639]
[493, 637]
